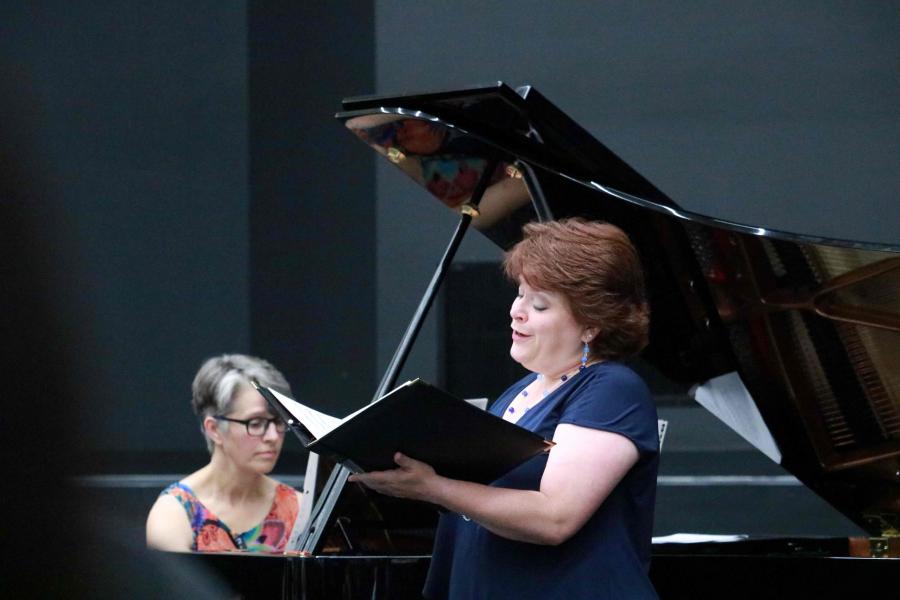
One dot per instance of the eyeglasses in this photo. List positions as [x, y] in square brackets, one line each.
[257, 426]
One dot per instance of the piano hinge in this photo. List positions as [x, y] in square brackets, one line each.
[395, 155]
[469, 209]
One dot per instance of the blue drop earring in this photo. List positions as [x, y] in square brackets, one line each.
[584, 356]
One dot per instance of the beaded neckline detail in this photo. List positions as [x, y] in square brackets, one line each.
[562, 379]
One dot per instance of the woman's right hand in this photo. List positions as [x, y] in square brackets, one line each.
[412, 479]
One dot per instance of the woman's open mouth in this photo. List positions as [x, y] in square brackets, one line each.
[518, 336]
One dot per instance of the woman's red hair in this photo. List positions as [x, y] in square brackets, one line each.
[597, 269]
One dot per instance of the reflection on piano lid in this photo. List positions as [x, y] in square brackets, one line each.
[810, 325]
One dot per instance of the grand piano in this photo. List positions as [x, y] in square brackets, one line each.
[793, 339]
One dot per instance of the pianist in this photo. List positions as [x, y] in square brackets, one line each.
[231, 503]
[575, 523]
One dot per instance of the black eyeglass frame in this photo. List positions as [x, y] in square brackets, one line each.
[280, 425]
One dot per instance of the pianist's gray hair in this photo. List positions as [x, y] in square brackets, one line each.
[221, 378]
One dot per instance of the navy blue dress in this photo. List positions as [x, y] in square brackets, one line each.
[609, 557]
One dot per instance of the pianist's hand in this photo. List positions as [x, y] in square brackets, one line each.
[411, 479]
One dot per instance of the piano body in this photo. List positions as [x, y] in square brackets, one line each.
[803, 331]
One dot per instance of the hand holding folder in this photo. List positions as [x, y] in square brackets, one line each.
[423, 422]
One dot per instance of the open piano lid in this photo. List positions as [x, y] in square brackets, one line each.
[803, 330]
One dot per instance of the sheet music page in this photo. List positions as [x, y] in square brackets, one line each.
[356, 412]
[697, 538]
[306, 505]
[481, 403]
[727, 398]
[318, 423]
[661, 426]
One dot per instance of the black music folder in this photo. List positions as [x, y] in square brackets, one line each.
[459, 440]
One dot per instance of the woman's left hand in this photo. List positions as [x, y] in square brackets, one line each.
[412, 479]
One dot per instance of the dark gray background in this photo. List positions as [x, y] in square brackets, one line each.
[211, 204]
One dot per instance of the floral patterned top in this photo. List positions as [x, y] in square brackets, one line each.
[213, 535]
